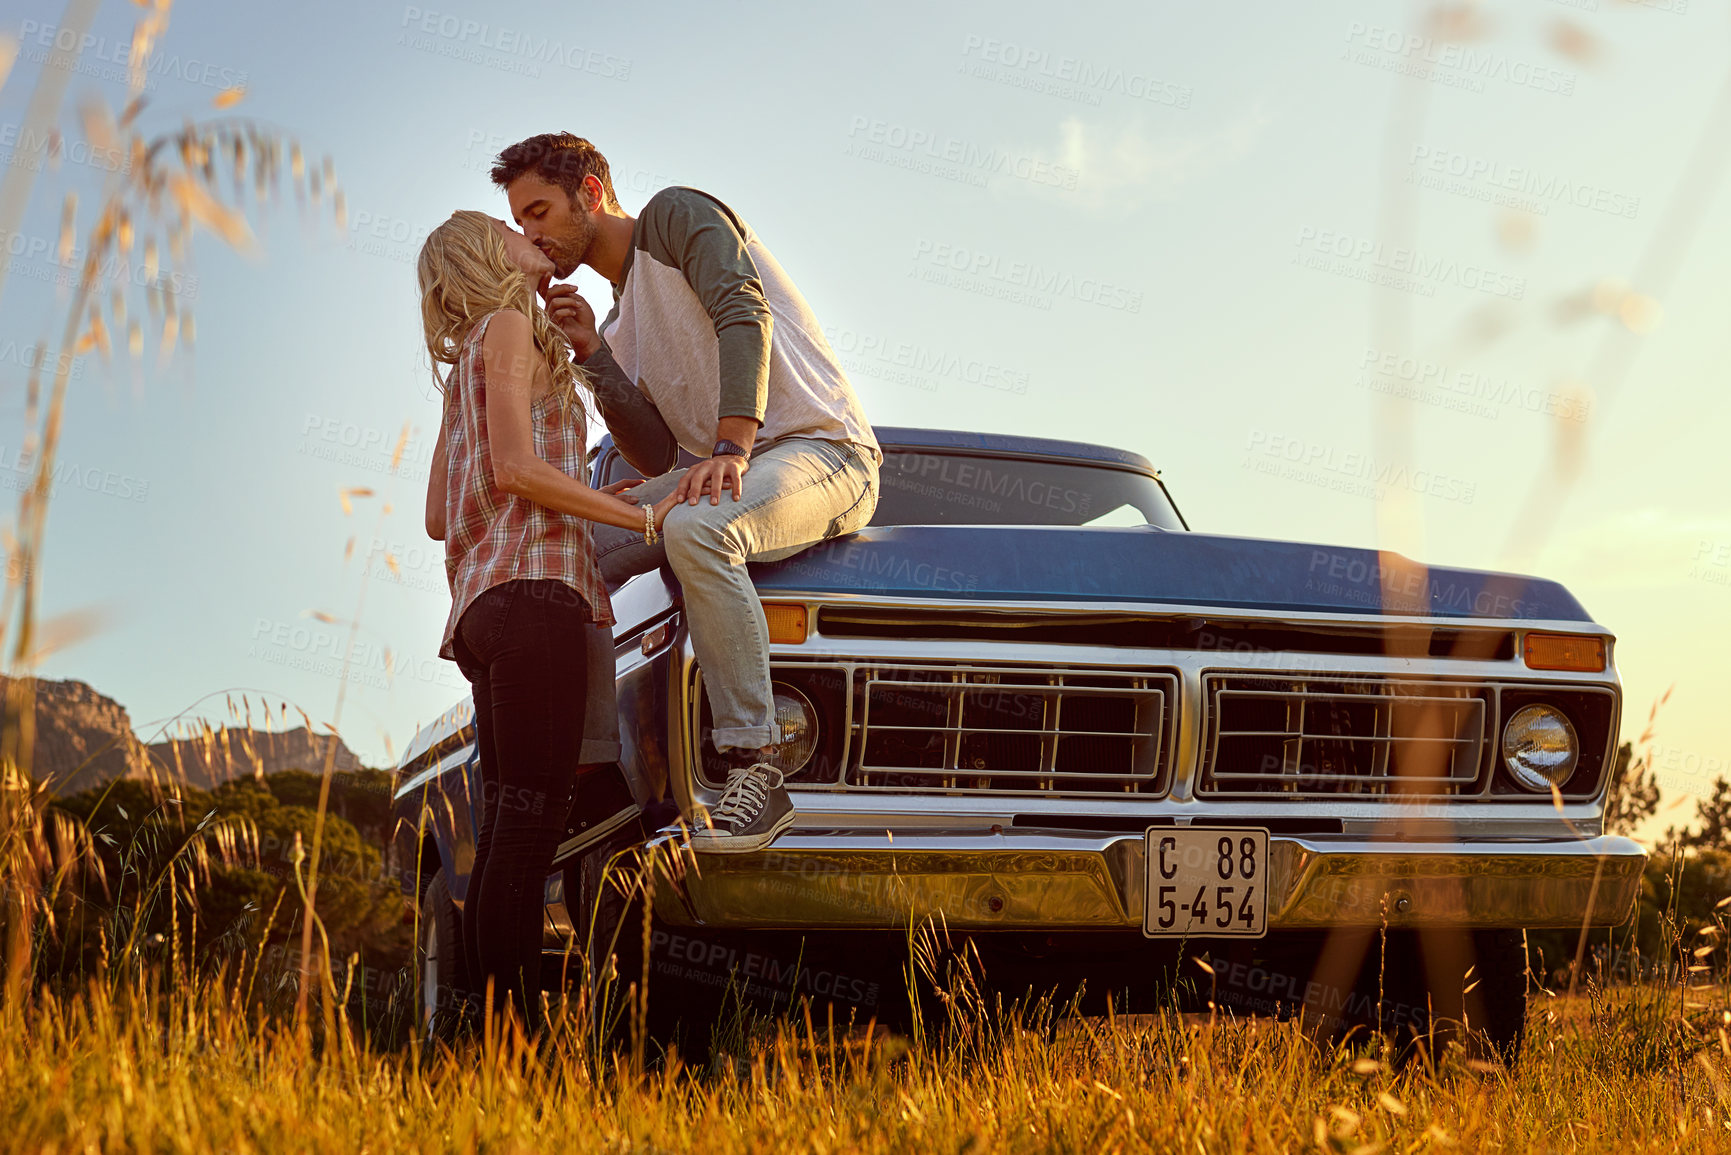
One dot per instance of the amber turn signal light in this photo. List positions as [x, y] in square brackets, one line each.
[786, 623]
[1564, 652]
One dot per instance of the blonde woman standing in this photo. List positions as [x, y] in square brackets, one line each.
[506, 496]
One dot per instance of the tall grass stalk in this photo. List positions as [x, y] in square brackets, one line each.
[171, 187]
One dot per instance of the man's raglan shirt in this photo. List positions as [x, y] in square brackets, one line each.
[707, 324]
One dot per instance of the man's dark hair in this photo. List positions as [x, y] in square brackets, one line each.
[558, 158]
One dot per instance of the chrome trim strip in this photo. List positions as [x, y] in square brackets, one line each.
[450, 761]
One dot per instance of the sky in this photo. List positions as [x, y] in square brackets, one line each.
[1248, 240]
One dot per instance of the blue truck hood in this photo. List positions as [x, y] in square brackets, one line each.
[1144, 564]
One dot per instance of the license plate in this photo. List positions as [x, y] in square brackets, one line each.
[1206, 882]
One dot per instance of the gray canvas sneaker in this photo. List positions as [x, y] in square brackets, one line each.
[752, 810]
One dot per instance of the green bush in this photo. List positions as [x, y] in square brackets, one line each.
[211, 873]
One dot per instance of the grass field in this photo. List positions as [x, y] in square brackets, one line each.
[1633, 1069]
[115, 1035]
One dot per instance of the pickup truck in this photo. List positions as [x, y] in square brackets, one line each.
[1029, 706]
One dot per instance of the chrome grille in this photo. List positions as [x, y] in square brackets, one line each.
[948, 728]
[1359, 736]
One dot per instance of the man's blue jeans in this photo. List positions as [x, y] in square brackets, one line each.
[798, 492]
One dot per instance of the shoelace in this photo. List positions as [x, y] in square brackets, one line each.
[746, 791]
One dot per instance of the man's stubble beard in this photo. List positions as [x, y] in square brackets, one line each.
[569, 254]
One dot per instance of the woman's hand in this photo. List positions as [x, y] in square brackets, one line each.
[618, 488]
[662, 507]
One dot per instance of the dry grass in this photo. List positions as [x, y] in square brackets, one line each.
[188, 1070]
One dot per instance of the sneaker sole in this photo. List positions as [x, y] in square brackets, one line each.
[705, 842]
[596, 833]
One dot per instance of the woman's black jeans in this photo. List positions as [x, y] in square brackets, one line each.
[521, 646]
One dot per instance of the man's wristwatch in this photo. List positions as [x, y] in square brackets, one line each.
[726, 448]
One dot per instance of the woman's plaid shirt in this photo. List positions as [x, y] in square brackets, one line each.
[492, 536]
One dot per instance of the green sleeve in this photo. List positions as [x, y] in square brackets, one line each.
[704, 240]
[637, 426]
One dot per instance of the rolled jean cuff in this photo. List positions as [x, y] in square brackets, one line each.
[743, 737]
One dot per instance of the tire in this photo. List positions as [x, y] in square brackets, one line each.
[1486, 1013]
[1502, 990]
[442, 978]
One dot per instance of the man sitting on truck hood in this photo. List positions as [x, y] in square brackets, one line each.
[709, 346]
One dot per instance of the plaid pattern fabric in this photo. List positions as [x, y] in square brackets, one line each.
[492, 536]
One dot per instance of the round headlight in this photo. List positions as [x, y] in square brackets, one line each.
[1539, 747]
[796, 730]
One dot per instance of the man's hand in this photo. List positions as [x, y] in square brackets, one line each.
[711, 477]
[572, 316]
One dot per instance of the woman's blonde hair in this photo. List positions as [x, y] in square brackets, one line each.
[465, 273]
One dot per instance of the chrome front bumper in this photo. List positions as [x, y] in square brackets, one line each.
[1057, 880]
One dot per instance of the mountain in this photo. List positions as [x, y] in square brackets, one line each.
[220, 754]
[84, 738]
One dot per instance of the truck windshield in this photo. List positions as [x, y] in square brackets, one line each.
[939, 487]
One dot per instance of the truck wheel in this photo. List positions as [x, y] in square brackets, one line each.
[1490, 1018]
[439, 958]
[1502, 971]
